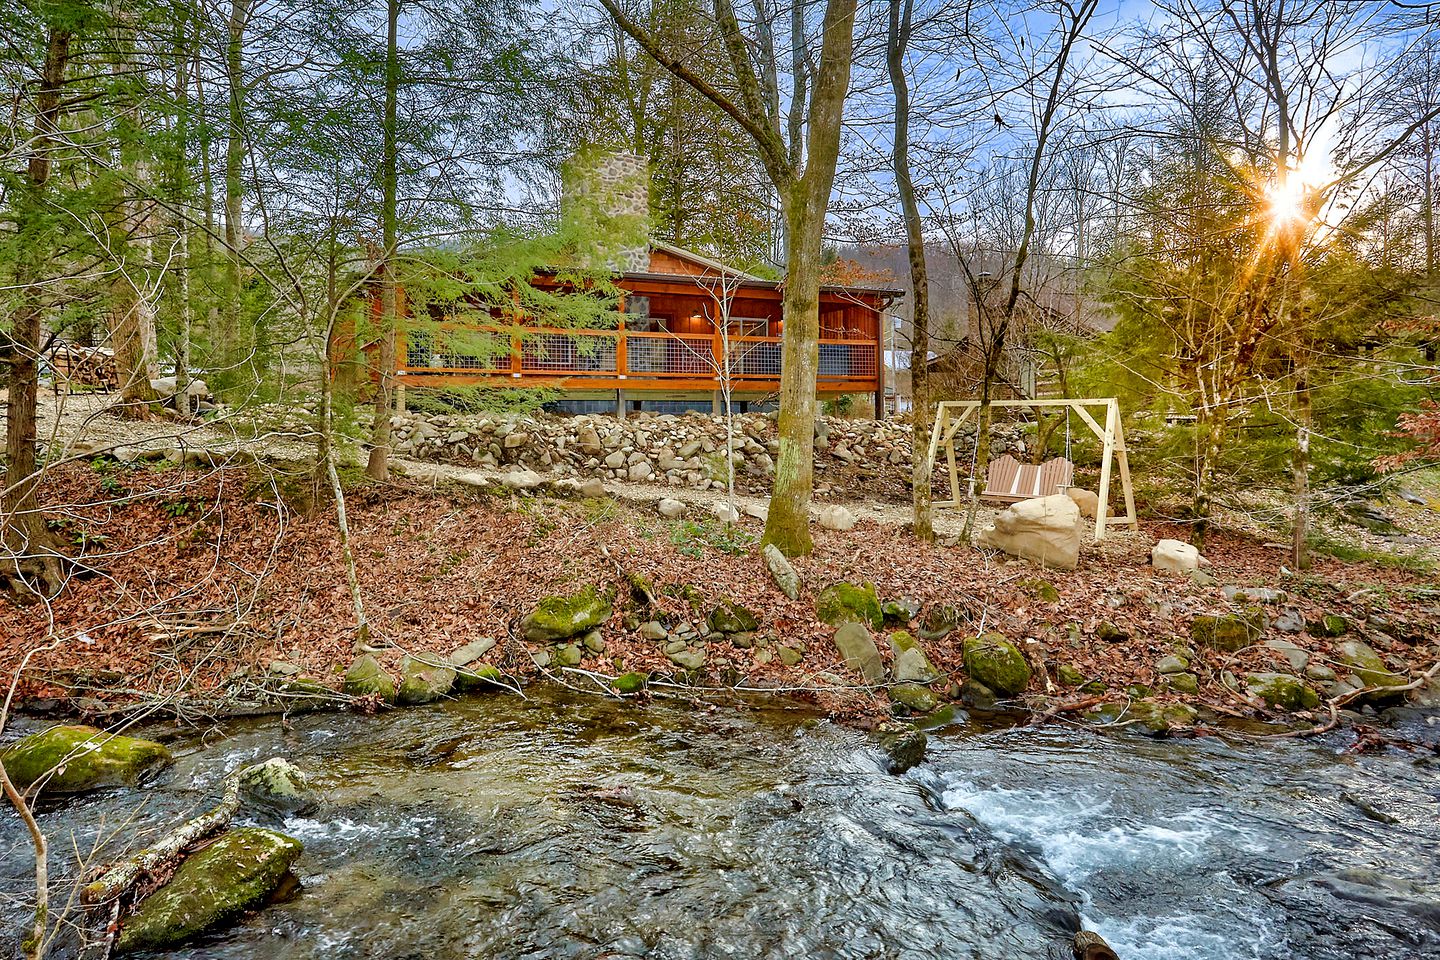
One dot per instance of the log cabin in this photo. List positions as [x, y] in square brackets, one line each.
[686, 327]
[678, 319]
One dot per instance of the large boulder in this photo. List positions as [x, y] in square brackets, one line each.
[857, 648]
[1176, 556]
[366, 678]
[561, 617]
[78, 758]
[997, 663]
[846, 603]
[1089, 503]
[237, 872]
[424, 679]
[280, 785]
[1045, 530]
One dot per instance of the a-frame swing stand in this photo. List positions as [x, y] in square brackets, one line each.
[951, 415]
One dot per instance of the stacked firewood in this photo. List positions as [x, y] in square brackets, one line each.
[77, 366]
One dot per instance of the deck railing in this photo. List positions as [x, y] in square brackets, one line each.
[625, 354]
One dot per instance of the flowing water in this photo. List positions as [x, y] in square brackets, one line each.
[572, 827]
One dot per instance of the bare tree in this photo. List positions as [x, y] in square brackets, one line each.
[799, 147]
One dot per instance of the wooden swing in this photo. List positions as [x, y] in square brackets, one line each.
[1048, 478]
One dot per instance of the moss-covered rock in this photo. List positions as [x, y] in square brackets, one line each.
[1228, 632]
[842, 603]
[1148, 716]
[914, 696]
[1368, 666]
[78, 758]
[911, 663]
[997, 663]
[629, 683]
[562, 617]
[1042, 590]
[1328, 625]
[235, 873]
[730, 617]
[899, 611]
[941, 621]
[479, 676]
[280, 785]
[1183, 682]
[904, 747]
[1282, 691]
[366, 678]
[423, 680]
[1069, 675]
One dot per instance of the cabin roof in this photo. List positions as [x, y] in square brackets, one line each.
[709, 265]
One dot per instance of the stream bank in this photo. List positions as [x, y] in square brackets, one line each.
[564, 825]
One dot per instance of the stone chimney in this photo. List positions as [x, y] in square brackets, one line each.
[609, 192]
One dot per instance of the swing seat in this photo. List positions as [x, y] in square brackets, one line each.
[1010, 481]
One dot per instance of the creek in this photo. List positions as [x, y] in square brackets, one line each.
[565, 826]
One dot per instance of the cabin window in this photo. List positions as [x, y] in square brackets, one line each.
[748, 327]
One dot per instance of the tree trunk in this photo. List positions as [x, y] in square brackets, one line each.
[1210, 437]
[31, 567]
[234, 345]
[923, 522]
[1300, 470]
[378, 467]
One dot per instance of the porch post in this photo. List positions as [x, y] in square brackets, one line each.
[620, 404]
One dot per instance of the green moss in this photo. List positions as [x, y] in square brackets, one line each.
[914, 696]
[1229, 632]
[366, 678]
[235, 873]
[81, 758]
[561, 617]
[1042, 590]
[1282, 691]
[1069, 675]
[629, 683]
[1368, 665]
[842, 603]
[998, 664]
[481, 675]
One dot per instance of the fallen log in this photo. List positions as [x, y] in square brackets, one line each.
[1089, 945]
[125, 874]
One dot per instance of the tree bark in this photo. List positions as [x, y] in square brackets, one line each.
[234, 345]
[378, 467]
[31, 567]
[898, 38]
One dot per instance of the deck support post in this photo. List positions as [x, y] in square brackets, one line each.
[717, 404]
[620, 404]
[400, 397]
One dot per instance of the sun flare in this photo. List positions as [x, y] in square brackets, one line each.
[1287, 201]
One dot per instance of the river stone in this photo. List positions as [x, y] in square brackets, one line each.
[1319, 673]
[83, 758]
[782, 571]
[280, 785]
[670, 508]
[237, 872]
[904, 748]
[1289, 621]
[471, 652]
[842, 603]
[1069, 675]
[911, 663]
[628, 683]
[1229, 632]
[1297, 658]
[1172, 664]
[424, 680]
[789, 656]
[915, 696]
[730, 617]
[569, 655]
[1282, 691]
[1368, 665]
[1183, 682]
[1044, 529]
[1176, 556]
[941, 621]
[1329, 625]
[899, 611]
[997, 663]
[1147, 716]
[593, 488]
[562, 617]
[977, 695]
[691, 658]
[476, 676]
[857, 648]
[366, 678]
